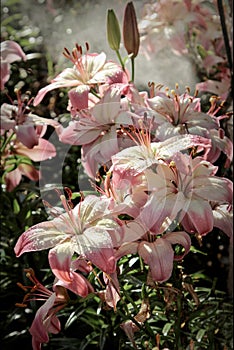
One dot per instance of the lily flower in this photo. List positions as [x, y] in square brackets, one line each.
[137, 159]
[180, 114]
[45, 320]
[223, 218]
[182, 191]
[97, 130]
[84, 230]
[10, 52]
[88, 70]
[111, 295]
[157, 252]
[27, 126]
[16, 160]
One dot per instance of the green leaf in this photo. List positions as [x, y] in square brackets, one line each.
[166, 328]
[16, 206]
[200, 334]
[195, 250]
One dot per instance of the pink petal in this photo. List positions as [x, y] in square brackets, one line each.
[179, 237]
[27, 135]
[157, 209]
[94, 62]
[214, 189]
[132, 232]
[30, 171]
[78, 285]
[159, 256]
[39, 237]
[78, 100]
[12, 179]
[81, 265]
[198, 217]
[44, 323]
[96, 244]
[223, 219]
[68, 78]
[112, 293]
[126, 248]
[219, 88]
[11, 51]
[60, 261]
[78, 134]
[130, 328]
[179, 143]
[44, 150]
[5, 73]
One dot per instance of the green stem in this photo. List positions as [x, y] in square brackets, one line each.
[5, 143]
[120, 59]
[178, 323]
[127, 296]
[133, 68]
[94, 93]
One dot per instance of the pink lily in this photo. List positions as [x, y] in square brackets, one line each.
[137, 159]
[111, 295]
[127, 194]
[182, 190]
[10, 52]
[97, 130]
[180, 114]
[90, 124]
[27, 126]
[223, 218]
[84, 230]
[129, 327]
[45, 320]
[156, 252]
[13, 170]
[88, 70]
[217, 87]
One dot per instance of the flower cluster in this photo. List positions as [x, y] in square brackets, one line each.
[159, 186]
[192, 29]
[21, 131]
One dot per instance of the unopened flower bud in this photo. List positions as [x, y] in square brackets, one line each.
[130, 30]
[113, 30]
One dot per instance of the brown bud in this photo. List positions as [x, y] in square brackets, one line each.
[131, 35]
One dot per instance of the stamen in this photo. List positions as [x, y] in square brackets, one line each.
[151, 85]
[69, 193]
[87, 46]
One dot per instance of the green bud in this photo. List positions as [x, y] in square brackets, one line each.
[130, 30]
[113, 30]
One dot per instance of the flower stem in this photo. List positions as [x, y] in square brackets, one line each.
[5, 143]
[94, 93]
[133, 68]
[120, 60]
[177, 324]
[127, 296]
[225, 33]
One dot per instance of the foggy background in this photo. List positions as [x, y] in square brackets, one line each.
[62, 24]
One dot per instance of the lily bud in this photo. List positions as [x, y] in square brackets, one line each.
[113, 30]
[131, 35]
